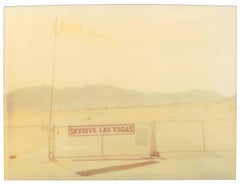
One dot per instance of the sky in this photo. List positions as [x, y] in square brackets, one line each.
[147, 48]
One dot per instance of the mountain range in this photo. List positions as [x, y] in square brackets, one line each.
[98, 96]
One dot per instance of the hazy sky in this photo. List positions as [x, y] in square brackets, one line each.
[152, 47]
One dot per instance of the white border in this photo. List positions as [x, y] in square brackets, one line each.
[1, 99]
[74, 2]
[4, 3]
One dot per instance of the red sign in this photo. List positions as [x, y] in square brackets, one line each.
[100, 130]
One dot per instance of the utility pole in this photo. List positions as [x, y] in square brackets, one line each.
[51, 154]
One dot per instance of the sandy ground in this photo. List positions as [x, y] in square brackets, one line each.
[195, 141]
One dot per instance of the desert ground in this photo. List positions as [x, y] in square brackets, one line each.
[194, 140]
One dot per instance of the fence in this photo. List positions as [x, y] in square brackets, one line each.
[162, 136]
[158, 136]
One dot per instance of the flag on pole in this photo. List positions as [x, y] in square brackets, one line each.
[66, 28]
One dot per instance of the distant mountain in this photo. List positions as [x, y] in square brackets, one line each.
[98, 96]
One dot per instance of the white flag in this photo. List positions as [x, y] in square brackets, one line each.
[67, 28]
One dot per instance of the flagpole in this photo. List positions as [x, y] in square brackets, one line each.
[51, 154]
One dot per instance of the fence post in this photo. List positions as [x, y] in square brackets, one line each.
[102, 146]
[203, 136]
[154, 152]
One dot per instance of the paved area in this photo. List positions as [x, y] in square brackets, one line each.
[188, 165]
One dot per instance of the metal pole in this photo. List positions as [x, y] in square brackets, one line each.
[154, 152]
[51, 154]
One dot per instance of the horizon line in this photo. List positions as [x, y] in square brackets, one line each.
[115, 86]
